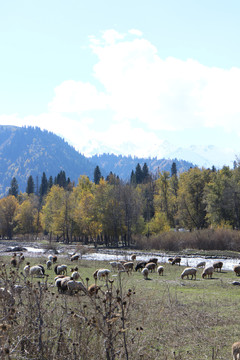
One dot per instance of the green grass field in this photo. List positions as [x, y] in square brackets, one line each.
[166, 318]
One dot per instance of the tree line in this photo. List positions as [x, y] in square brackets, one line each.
[110, 211]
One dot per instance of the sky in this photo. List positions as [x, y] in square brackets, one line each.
[130, 77]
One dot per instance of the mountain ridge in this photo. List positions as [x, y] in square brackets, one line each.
[26, 151]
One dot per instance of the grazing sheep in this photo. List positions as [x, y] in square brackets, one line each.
[36, 270]
[160, 270]
[41, 266]
[201, 264]
[75, 257]
[236, 350]
[128, 266]
[54, 258]
[49, 264]
[75, 286]
[93, 289]
[151, 266]
[61, 284]
[60, 269]
[13, 260]
[95, 274]
[103, 273]
[208, 271]
[145, 273]
[133, 257]
[116, 265]
[170, 259]
[189, 271]
[140, 265]
[218, 265]
[75, 275]
[236, 269]
[50, 257]
[176, 260]
[154, 260]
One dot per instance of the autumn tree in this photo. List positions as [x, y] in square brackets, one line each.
[8, 208]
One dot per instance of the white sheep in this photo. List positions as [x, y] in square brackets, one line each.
[61, 283]
[36, 271]
[145, 273]
[160, 270]
[75, 275]
[60, 269]
[50, 257]
[151, 266]
[75, 286]
[208, 271]
[201, 264]
[236, 350]
[103, 273]
[116, 265]
[189, 271]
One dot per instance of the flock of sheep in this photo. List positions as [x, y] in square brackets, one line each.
[70, 283]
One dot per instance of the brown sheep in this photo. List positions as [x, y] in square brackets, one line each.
[154, 260]
[151, 266]
[128, 266]
[236, 350]
[133, 257]
[236, 269]
[208, 271]
[93, 289]
[218, 265]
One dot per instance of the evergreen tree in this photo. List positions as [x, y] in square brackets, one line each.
[139, 174]
[97, 175]
[133, 178]
[61, 179]
[30, 185]
[173, 169]
[14, 187]
[50, 182]
[145, 173]
[44, 185]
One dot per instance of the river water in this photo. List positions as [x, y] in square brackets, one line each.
[115, 255]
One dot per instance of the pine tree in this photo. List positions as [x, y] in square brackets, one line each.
[173, 169]
[97, 175]
[139, 174]
[14, 187]
[145, 173]
[44, 185]
[30, 185]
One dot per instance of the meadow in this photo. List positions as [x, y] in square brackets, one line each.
[163, 317]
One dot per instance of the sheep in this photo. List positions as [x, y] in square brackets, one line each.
[75, 275]
[116, 265]
[236, 269]
[189, 271]
[176, 260]
[49, 264]
[75, 286]
[74, 257]
[154, 260]
[41, 266]
[207, 271]
[151, 266]
[170, 259]
[61, 284]
[201, 264]
[54, 258]
[133, 257]
[60, 269]
[36, 270]
[128, 266]
[103, 273]
[93, 289]
[140, 265]
[95, 274]
[160, 270]
[145, 273]
[13, 260]
[218, 265]
[236, 350]
[50, 257]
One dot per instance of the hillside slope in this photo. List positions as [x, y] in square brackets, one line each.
[26, 151]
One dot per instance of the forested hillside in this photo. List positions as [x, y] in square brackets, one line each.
[26, 151]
